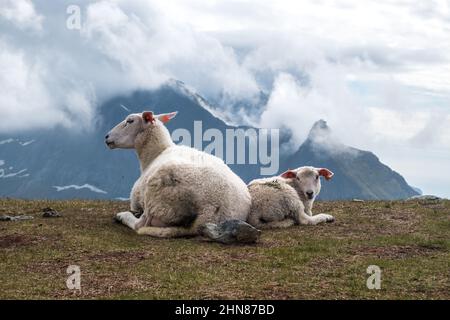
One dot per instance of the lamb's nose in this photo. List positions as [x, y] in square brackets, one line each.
[106, 137]
[310, 194]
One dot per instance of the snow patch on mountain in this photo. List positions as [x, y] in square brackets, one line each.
[190, 92]
[6, 141]
[23, 144]
[26, 143]
[19, 174]
[125, 108]
[77, 187]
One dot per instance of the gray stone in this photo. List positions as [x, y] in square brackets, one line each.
[50, 213]
[232, 231]
[426, 197]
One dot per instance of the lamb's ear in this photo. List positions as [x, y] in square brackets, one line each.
[324, 172]
[166, 117]
[290, 174]
[148, 117]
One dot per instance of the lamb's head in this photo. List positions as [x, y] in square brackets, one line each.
[306, 180]
[124, 134]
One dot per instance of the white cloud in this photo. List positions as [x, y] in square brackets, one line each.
[21, 13]
[77, 187]
[151, 48]
[28, 101]
[299, 106]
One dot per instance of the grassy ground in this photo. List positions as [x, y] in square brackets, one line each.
[409, 241]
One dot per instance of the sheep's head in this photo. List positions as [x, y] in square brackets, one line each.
[306, 180]
[125, 133]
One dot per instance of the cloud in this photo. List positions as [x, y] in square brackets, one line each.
[151, 49]
[29, 99]
[299, 106]
[22, 14]
[22, 93]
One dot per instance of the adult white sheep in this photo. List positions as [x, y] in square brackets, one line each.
[181, 191]
[285, 200]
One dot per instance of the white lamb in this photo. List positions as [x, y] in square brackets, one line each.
[285, 200]
[181, 191]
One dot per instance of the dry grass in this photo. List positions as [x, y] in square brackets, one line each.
[410, 241]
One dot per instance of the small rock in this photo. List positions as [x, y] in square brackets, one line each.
[426, 197]
[15, 218]
[231, 231]
[50, 213]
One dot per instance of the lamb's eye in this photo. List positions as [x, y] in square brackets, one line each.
[317, 177]
[130, 121]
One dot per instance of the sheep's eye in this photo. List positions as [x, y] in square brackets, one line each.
[130, 121]
[317, 177]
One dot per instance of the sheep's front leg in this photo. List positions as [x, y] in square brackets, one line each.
[322, 217]
[304, 218]
[127, 218]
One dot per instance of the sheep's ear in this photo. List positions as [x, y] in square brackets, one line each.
[324, 172]
[290, 174]
[166, 117]
[148, 117]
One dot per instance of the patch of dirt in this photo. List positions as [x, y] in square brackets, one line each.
[115, 257]
[393, 252]
[326, 263]
[102, 285]
[359, 222]
[274, 290]
[19, 240]
[209, 258]
[94, 283]
[120, 256]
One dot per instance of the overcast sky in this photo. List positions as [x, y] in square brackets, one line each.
[377, 71]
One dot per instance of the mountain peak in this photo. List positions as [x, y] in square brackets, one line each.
[319, 131]
[322, 140]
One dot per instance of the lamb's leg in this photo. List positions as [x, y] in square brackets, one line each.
[303, 218]
[166, 232]
[127, 218]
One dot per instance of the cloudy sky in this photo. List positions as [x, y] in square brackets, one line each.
[377, 71]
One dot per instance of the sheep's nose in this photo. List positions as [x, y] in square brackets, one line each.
[106, 137]
[310, 194]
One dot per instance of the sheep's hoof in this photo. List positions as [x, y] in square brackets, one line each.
[137, 214]
[118, 218]
[231, 231]
[329, 218]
